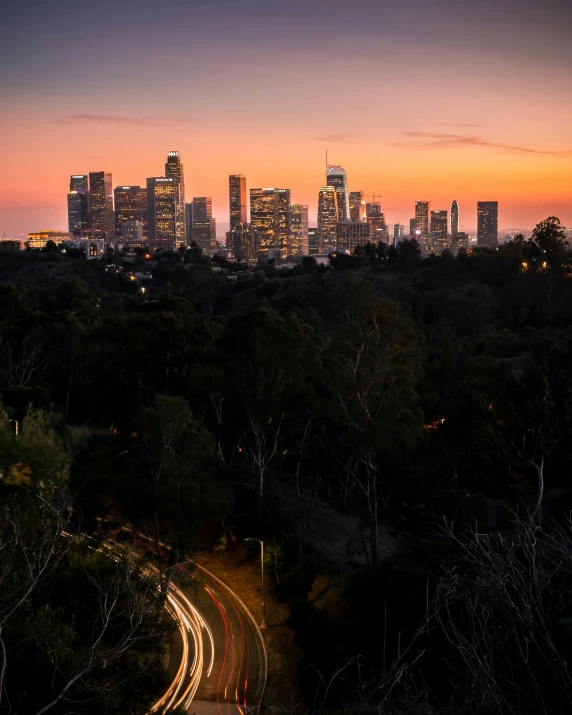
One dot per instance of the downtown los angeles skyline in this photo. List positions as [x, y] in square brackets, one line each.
[418, 101]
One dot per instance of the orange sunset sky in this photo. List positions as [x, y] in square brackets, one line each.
[417, 100]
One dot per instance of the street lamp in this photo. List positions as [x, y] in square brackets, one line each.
[263, 624]
[17, 424]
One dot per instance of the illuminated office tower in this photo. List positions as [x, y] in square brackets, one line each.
[270, 217]
[376, 218]
[454, 218]
[357, 205]
[298, 244]
[314, 243]
[412, 227]
[78, 211]
[243, 240]
[438, 230]
[101, 219]
[161, 212]
[204, 225]
[174, 170]
[328, 217]
[189, 222]
[350, 234]
[336, 177]
[398, 233]
[487, 223]
[422, 211]
[79, 182]
[237, 199]
[130, 205]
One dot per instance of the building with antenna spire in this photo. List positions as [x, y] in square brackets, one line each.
[336, 177]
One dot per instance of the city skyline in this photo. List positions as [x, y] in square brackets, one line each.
[488, 135]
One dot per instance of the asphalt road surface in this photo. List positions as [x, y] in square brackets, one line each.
[217, 661]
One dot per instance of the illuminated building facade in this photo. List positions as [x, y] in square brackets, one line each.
[79, 182]
[174, 170]
[38, 239]
[161, 212]
[336, 177]
[438, 230]
[488, 223]
[243, 241]
[298, 244]
[350, 234]
[132, 234]
[270, 217]
[398, 233]
[357, 205]
[454, 218]
[314, 243]
[376, 218]
[422, 211]
[237, 199]
[78, 212]
[460, 241]
[101, 219]
[130, 205]
[204, 225]
[328, 217]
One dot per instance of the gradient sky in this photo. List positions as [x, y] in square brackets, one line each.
[418, 100]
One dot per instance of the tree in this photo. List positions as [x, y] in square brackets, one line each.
[409, 253]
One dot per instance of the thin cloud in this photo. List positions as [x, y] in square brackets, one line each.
[338, 138]
[112, 119]
[467, 125]
[432, 140]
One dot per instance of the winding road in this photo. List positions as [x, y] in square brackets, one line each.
[219, 661]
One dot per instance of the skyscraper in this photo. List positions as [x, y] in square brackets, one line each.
[204, 225]
[270, 217]
[130, 205]
[350, 234]
[357, 205]
[487, 223]
[314, 242]
[161, 212]
[101, 220]
[237, 199]
[174, 170]
[298, 244]
[78, 182]
[438, 230]
[189, 222]
[78, 205]
[454, 218]
[242, 240]
[422, 211]
[398, 232]
[328, 217]
[336, 176]
[376, 218]
[132, 234]
[412, 227]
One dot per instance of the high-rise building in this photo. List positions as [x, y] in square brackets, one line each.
[242, 240]
[79, 182]
[204, 225]
[357, 205]
[350, 234]
[132, 234]
[328, 217]
[78, 212]
[237, 199]
[161, 212]
[130, 205]
[460, 241]
[174, 170]
[376, 218]
[314, 242]
[298, 244]
[438, 230]
[422, 211]
[270, 217]
[189, 222]
[487, 223]
[101, 220]
[398, 233]
[336, 177]
[412, 227]
[454, 217]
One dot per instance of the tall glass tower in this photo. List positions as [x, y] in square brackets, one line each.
[161, 212]
[454, 218]
[174, 170]
[270, 217]
[101, 218]
[237, 199]
[328, 217]
[488, 223]
[422, 211]
[336, 176]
